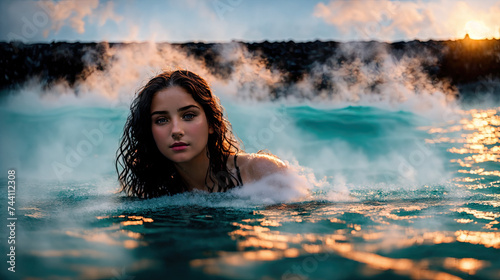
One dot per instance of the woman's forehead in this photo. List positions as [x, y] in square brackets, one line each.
[172, 98]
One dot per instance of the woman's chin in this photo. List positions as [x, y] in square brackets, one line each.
[179, 159]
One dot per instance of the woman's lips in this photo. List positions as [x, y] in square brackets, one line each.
[179, 146]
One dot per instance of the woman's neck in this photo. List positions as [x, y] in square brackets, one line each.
[194, 172]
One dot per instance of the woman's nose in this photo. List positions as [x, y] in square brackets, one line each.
[177, 130]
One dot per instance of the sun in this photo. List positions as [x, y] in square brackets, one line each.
[478, 30]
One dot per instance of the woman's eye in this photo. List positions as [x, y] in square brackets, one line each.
[189, 116]
[161, 121]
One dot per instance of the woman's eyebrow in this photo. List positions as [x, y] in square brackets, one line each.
[178, 110]
[159, 113]
[187, 107]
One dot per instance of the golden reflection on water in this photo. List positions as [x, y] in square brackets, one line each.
[33, 212]
[89, 271]
[261, 240]
[491, 225]
[478, 214]
[464, 221]
[115, 234]
[479, 133]
[488, 239]
[466, 265]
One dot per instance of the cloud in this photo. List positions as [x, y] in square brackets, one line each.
[74, 13]
[424, 20]
[106, 13]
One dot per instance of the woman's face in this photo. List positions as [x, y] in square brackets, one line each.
[179, 125]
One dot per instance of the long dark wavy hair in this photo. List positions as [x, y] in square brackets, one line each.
[146, 172]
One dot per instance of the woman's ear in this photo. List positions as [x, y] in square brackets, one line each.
[210, 129]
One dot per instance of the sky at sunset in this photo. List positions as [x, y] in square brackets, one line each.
[246, 20]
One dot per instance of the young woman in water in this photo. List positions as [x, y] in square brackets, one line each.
[177, 139]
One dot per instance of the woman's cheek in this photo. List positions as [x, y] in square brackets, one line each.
[159, 134]
[155, 132]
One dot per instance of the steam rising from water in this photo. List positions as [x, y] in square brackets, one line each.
[71, 133]
[385, 82]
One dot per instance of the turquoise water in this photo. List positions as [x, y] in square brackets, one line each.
[379, 194]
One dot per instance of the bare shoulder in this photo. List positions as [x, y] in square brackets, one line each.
[256, 166]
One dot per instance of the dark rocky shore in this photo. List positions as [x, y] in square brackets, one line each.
[460, 62]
